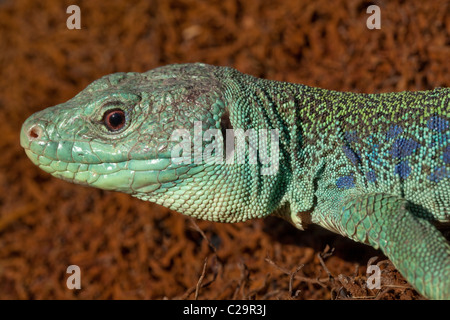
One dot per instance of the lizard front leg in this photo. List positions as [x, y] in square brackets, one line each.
[414, 245]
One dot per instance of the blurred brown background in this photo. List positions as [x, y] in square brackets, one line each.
[129, 249]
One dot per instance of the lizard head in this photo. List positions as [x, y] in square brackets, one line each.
[118, 134]
[115, 134]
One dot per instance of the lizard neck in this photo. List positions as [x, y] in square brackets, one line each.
[289, 109]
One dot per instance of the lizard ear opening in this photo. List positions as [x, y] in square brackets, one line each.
[225, 123]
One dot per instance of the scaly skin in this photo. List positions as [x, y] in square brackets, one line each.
[372, 167]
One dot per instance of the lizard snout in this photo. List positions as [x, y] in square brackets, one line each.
[31, 131]
[32, 136]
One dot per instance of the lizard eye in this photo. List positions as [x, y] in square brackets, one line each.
[114, 120]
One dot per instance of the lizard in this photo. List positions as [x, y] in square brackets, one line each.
[372, 167]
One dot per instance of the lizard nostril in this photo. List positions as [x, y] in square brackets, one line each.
[35, 132]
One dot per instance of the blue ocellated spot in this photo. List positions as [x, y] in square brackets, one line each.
[447, 154]
[371, 176]
[374, 154]
[437, 123]
[354, 158]
[351, 136]
[345, 182]
[403, 147]
[393, 132]
[403, 169]
[439, 174]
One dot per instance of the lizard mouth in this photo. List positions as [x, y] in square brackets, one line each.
[130, 176]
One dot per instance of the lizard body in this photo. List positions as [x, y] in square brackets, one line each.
[372, 167]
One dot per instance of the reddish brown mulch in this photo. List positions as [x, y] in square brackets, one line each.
[129, 249]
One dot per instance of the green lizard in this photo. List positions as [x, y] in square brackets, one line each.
[372, 167]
